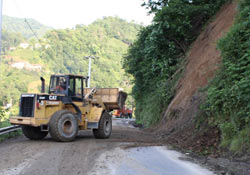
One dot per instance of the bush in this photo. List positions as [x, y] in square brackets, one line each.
[228, 95]
[2, 114]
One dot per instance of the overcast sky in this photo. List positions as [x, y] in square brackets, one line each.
[68, 13]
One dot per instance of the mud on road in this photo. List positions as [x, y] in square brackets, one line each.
[25, 157]
[86, 155]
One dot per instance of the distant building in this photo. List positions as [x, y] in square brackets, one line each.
[47, 46]
[12, 48]
[34, 67]
[18, 65]
[37, 45]
[27, 66]
[24, 45]
[9, 105]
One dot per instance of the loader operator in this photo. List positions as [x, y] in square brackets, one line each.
[61, 87]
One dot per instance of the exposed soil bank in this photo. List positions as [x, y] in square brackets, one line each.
[178, 124]
[202, 62]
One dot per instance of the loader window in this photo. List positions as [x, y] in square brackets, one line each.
[58, 85]
[75, 89]
[71, 88]
[78, 87]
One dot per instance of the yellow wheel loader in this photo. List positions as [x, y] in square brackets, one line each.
[67, 108]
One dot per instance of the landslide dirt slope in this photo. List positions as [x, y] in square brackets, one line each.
[202, 62]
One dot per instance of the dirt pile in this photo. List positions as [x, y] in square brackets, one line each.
[202, 62]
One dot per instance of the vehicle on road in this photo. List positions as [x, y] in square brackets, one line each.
[123, 113]
[67, 108]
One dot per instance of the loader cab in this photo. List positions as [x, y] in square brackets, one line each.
[68, 85]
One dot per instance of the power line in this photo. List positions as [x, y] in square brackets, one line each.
[32, 29]
[25, 20]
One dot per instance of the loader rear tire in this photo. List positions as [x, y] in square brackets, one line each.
[33, 133]
[63, 126]
[105, 127]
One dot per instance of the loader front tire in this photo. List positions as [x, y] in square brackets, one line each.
[105, 127]
[63, 126]
[33, 133]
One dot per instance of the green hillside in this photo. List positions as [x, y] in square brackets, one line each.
[18, 25]
[107, 39]
[64, 51]
[10, 39]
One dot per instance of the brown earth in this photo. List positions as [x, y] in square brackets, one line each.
[21, 156]
[203, 60]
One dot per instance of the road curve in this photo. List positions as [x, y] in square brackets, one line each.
[89, 156]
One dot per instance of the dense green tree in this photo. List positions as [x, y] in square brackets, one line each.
[160, 49]
[10, 39]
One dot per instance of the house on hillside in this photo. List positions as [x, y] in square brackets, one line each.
[18, 65]
[27, 66]
[8, 105]
[24, 45]
[37, 45]
[47, 46]
[34, 67]
[12, 48]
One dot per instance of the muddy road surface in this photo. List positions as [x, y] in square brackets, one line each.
[128, 151]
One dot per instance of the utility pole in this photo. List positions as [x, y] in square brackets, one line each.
[89, 72]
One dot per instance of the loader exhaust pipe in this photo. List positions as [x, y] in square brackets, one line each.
[43, 85]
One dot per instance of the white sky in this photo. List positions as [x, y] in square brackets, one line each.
[68, 13]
